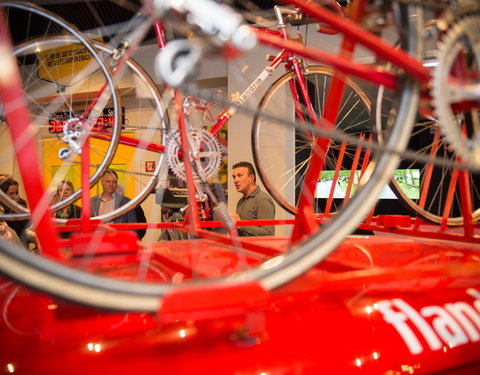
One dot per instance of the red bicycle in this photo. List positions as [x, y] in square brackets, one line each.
[253, 265]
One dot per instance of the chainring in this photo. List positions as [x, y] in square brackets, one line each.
[205, 155]
[459, 45]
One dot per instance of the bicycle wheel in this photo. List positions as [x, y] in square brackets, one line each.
[141, 122]
[139, 158]
[353, 119]
[227, 266]
[455, 84]
[430, 190]
[69, 91]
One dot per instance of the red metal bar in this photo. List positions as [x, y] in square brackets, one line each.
[192, 218]
[335, 93]
[18, 121]
[355, 162]
[296, 97]
[318, 153]
[351, 29]
[449, 199]
[159, 32]
[466, 202]
[347, 66]
[73, 225]
[461, 71]
[328, 205]
[428, 173]
[267, 31]
[366, 158]
[134, 142]
[85, 170]
[220, 123]
[365, 164]
[334, 6]
[433, 231]
[300, 78]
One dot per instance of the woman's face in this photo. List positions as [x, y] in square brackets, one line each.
[12, 192]
[64, 191]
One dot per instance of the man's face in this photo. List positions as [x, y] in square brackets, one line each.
[12, 192]
[242, 179]
[109, 183]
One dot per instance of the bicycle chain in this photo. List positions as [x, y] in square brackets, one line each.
[206, 152]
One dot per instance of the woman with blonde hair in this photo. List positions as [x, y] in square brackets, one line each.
[64, 190]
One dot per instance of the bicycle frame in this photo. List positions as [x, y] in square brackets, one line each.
[10, 84]
[310, 252]
[285, 57]
[305, 221]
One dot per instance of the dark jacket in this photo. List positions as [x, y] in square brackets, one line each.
[120, 200]
[134, 216]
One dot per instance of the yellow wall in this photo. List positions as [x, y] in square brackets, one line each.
[122, 160]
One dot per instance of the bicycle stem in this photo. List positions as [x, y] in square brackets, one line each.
[377, 45]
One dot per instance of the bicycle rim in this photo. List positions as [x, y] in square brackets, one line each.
[271, 272]
[353, 119]
[63, 100]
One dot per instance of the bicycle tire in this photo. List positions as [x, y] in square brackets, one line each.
[46, 102]
[431, 190]
[353, 119]
[150, 124]
[86, 288]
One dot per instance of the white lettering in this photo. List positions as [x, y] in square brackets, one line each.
[447, 328]
[253, 87]
[475, 294]
[465, 315]
[455, 323]
[425, 329]
[398, 320]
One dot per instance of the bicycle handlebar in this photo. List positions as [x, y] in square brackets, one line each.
[295, 17]
[213, 19]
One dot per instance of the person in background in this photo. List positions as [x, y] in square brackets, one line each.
[11, 188]
[254, 204]
[64, 190]
[110, 200]
[8, 233]
[72, 211]
[140, 219]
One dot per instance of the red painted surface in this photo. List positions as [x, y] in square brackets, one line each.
[377, 305]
